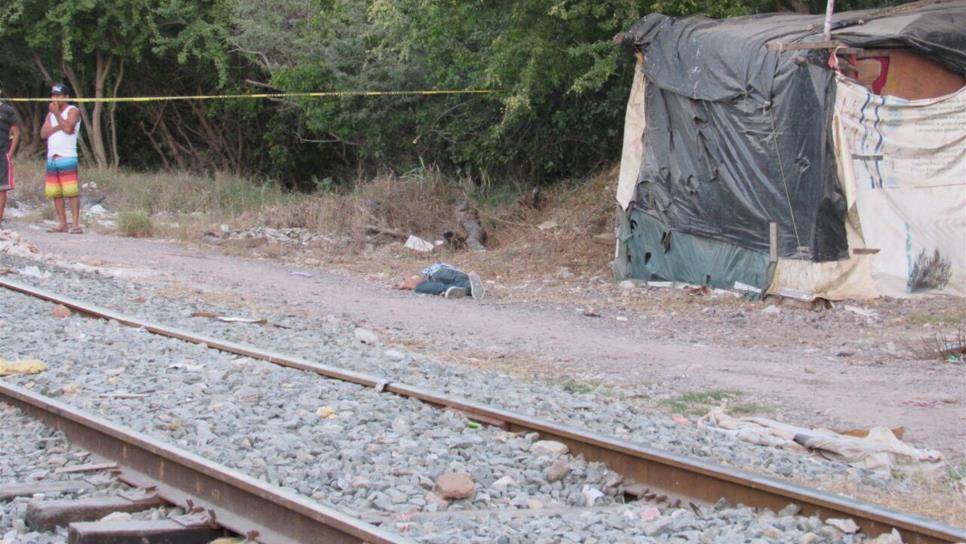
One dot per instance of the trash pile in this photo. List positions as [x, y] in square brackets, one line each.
[290, 235]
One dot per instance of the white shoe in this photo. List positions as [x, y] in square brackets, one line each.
[476, 286]
[455, 292]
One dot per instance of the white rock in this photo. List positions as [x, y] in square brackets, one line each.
[394, 355]
[591, 494]
[366, 336]
[503, 483]
[846, 525]
[547, 225]
[549, 448]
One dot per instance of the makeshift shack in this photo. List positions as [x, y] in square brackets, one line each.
[758, 155]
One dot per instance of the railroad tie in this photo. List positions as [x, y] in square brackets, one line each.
[48, 515]
[141, 532]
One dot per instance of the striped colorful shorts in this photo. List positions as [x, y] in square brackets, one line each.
[61, 179]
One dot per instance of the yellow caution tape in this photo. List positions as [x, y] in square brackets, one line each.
[256, 96]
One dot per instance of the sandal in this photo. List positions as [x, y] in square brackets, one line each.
[57, 229]
[76, 230]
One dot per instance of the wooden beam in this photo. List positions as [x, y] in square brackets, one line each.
[48, 515]
[10, 492]
[140, 532]
[92, 467]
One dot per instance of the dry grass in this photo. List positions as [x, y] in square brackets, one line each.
[422, 202]
[939, 500]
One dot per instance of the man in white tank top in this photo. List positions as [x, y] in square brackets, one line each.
[61, 129]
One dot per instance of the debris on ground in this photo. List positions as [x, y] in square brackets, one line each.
[25, 366]
[416, 243]
[11, 243]
[289, 236]
[230, 319]
[880, 451]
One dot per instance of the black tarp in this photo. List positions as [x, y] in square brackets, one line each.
[738, 136]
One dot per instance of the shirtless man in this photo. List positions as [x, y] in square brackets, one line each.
[9, 138]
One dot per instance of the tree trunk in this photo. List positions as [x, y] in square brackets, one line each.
[102, 69]
[85, 140]
[112, 119]
[469, 220]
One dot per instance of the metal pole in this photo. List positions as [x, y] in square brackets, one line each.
[829, 8]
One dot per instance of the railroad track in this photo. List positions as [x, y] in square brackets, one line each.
[214, 495]
[649, 473]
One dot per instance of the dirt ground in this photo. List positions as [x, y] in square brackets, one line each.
[857, 365]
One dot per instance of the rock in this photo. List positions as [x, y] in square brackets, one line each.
[810, 538]
[558, 470]
[117, 516]
[549, 448]
[591, 494]
[394, 355]
[61, 311]
[846, 525]
[547, 225]
[366, 336]
[657, 527]
[248, 394]
[891, 538]
[433, 498]
[628, 285]
[454, 485]
[650, 514]
[534, 504]
[71, 388]
[772, 310]
[503, 483]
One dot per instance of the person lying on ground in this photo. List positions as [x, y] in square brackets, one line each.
[446, 280]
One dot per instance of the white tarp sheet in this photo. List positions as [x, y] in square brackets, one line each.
[633, 151]
[903, 168]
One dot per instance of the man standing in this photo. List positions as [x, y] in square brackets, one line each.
[60, 130]
[9, 138]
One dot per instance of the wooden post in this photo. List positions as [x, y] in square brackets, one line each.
[829, 8]
[773, 242]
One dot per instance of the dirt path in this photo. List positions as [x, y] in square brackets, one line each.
[805, 387]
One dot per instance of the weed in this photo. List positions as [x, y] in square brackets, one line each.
[134, 223]
[575, 386]
[937, 318]
[697, 403]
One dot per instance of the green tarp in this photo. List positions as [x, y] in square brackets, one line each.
[650, 250]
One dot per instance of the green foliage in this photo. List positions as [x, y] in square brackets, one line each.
[699, 403]
[558, 111]
[134, 223]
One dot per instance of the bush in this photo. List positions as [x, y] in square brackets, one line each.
[134, 223]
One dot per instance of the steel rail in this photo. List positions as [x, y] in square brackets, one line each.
[235, 501]
[666, 472]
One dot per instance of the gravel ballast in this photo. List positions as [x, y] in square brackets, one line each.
[368, 453]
